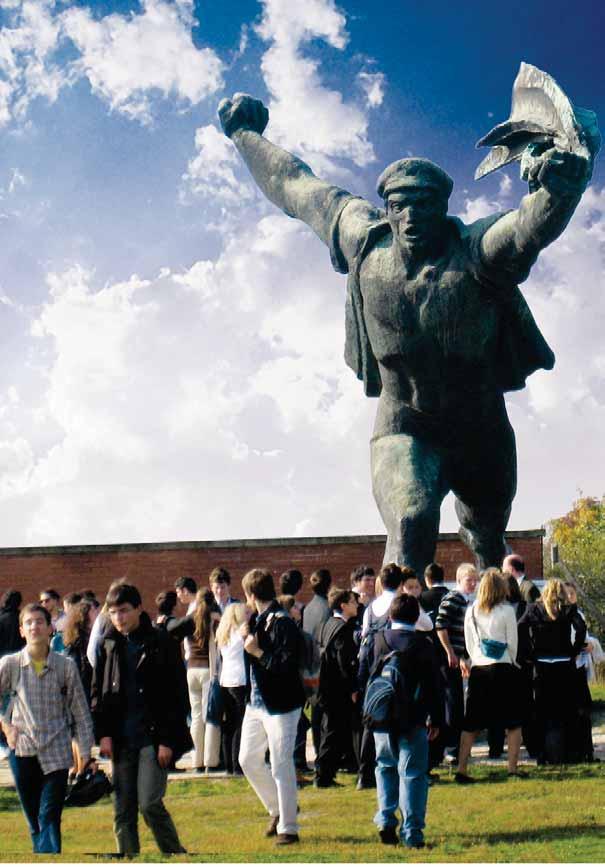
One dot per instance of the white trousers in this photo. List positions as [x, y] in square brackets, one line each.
[275, 786]
[205, 736]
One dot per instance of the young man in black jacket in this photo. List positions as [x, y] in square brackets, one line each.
[402, 754]
[338, 689]
[139, 721]
[273, 646]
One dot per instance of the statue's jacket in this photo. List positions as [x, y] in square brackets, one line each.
[522, 348]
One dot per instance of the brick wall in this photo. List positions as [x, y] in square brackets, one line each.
[153, 567]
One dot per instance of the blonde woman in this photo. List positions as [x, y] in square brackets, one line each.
[493, 698]
[233, 682]
[555, 634]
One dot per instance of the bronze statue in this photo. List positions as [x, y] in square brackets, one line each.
[436, 326]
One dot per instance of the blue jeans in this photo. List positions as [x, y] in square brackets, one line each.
[42, 796]
[401, 782]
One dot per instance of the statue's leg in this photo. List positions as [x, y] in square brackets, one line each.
[484, 479]
[408, 486]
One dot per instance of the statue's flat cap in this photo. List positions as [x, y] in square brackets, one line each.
[414, 172]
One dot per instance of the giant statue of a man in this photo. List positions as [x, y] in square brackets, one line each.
[435, 325]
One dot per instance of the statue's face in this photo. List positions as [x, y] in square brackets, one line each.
[416, 216]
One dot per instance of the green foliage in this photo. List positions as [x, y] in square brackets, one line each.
[580, 536]
[554, 816]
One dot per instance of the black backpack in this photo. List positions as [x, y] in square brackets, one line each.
[375, 625]
[391, 699]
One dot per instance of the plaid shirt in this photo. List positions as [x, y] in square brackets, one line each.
[41, 707]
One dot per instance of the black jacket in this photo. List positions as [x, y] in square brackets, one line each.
[425, 666]
[539, 636]
[278, 671]
[10, 637]
[338, 667]
[164, 704]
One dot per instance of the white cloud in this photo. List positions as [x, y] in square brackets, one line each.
[128, 58]
[213, 170]
[306, 116]
[169, 397]
[372, 84]
[27, 46]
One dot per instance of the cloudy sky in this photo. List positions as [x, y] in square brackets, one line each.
[171, 354]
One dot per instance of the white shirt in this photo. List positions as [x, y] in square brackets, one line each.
[233, 671]
[379, 607]
[424, 622]
[500, 624]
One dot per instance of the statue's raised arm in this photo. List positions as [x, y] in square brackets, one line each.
[556, 144]
[557, 180]
[285, 179]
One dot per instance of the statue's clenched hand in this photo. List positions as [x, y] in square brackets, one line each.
[242, 112]
[561, 173]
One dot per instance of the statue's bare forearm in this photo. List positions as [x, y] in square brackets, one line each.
[285, 179]
[514, 242]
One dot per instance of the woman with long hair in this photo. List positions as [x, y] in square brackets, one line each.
[76, 634]
[490, 634]
[233, 681]
[200, 628]
[555, 634]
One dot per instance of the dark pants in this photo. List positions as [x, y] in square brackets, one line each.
[300, 747]
[234, 705]
[316, 715]
[454, 708]
[139, 782]
[42, 796]
[335, 728]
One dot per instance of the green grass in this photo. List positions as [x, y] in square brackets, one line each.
[556, 815]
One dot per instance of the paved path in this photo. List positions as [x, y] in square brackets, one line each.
[480, 756]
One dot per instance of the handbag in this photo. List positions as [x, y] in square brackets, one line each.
[88, 788]
[216, 706]
[489, 646]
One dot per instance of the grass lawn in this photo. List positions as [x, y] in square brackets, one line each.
[556, 815]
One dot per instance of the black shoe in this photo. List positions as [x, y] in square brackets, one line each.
[388, 836]
[419, 844]
[326, 784]
[286, 839]
[521, 775]
[464, 779]
[271, 829]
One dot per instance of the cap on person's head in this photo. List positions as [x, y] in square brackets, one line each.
[414, 172]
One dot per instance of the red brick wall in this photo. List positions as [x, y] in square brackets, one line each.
[155, 567]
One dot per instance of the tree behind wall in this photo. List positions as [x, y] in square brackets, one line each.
[580, 537]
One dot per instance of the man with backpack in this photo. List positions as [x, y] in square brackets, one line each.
[375, 619]
[338, 690]
[404, 709]
[45, 690]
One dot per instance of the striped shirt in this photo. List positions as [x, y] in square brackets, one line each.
[40, 709]
[451, 617]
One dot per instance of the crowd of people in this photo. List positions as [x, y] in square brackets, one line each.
[398, 673]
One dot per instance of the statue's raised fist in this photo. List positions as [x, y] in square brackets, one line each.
[242, 112]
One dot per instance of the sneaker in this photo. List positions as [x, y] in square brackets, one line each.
[388, 836]
[464, 779]
[271, 829]
[286, 839]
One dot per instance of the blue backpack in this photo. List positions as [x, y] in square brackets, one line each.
[391, 695]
